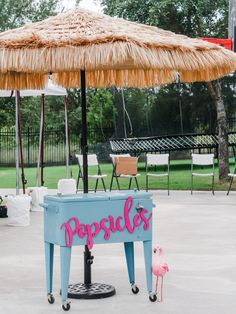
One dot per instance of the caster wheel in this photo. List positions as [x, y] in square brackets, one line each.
[135, 289]
[51, 298]
[153, 298]
[66, 306]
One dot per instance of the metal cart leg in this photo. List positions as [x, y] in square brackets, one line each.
[49, 254]
[147, 247]
[65, 253]
[129, 253]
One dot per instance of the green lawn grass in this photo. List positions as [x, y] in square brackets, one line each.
[180, 177]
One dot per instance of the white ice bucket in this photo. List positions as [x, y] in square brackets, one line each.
[37, 194]
[18, 208]
[66, 186]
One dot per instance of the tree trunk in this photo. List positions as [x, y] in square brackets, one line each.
[223, 153]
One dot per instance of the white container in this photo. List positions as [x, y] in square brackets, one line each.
[18, 208]
[37, 195]
[66, 186]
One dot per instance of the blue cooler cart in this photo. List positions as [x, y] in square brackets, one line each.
[88, 219]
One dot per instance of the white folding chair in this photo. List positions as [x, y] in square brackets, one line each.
[114, 158]
[232, 176]
[92, 162]
[202, 160]
[158, 160]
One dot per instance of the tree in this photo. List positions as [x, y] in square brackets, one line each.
[100, 110]
[14, 13]
[194, 18]
[136, 106]
[133, 114]
[223, 154]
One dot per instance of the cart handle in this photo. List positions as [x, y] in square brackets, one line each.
[50, 208]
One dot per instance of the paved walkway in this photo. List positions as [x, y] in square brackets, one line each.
[198, 234]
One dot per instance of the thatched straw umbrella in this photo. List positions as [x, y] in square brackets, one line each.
[111, 51]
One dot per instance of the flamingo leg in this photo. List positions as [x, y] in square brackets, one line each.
[161, 289]
[156, 284]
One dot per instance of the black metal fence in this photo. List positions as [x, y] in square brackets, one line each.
[54, 145]
[54, 151]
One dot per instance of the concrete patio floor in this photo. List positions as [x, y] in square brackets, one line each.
[198, 234]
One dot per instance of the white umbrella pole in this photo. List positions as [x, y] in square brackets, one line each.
[67, 139]
[17, 145]
[40, 146]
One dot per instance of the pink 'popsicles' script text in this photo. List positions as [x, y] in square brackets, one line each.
[110, 224]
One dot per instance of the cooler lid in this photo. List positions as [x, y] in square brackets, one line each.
[79, 197]
[123, 195]
[98, 196]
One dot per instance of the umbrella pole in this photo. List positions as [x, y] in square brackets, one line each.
[87, 290]
[84, 148]
[42, 139]
[17, 145]
[67, 139]
[84, 131]
[20, 142]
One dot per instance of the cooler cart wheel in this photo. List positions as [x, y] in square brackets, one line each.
[66, 306]
[51, 298]
[135, 289]
[153, 297]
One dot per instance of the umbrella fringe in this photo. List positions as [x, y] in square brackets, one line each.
[144, 66]
[119, 78]
[118, 55]
[20, 81]
[126, 78]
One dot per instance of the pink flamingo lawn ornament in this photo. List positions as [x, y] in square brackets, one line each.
[159, 268]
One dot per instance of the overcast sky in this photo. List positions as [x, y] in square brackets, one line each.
[87, 4]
